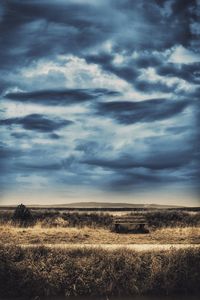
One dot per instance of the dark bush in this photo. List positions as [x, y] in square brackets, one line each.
[22, 216]
[173, 218]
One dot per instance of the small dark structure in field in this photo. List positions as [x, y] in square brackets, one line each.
[22, 215]
[131, 223]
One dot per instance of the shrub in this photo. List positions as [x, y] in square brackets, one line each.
[172, 218]
[22, 216]
[88, 219]
[54, 222]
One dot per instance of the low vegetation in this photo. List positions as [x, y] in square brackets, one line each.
[56, 218]
[29, 269]
[22, 216]
[173, 218]
[32, 272]
[87, 235]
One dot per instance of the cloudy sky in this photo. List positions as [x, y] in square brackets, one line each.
[100, 101]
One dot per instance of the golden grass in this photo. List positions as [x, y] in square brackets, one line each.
[59, 235]
[36, 272]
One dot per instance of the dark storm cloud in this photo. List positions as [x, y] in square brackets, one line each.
[122, 38]
[127, 112]
[149, 87]
[4, 84]
[137, 180]
[158, 161]
[54, 136]
[167, 160]
[188, 72]
[178, 129]
[7, 155]
[127, 72]
[148, 59]
[60, 97]
[7, 152]
[131, 69]
[35, 29]
[18, 135]
[28, 167]
[146, 180]
[159, 27]
[36, 122]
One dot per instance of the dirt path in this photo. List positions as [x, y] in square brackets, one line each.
[136, 247]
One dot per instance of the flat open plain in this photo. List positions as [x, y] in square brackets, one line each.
[98, 236]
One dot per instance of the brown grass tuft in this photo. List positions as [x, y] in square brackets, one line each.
[43, 272]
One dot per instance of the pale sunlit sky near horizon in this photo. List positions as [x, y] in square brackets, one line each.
[99, 101]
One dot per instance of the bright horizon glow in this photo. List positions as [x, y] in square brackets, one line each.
[178, 200]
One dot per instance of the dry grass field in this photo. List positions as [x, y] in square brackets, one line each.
[60, 235]
[34, 272]
[74, 254]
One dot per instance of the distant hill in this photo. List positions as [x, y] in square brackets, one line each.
[111, 205]
[99, 205]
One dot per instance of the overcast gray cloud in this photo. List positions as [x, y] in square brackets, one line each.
[99, 99]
